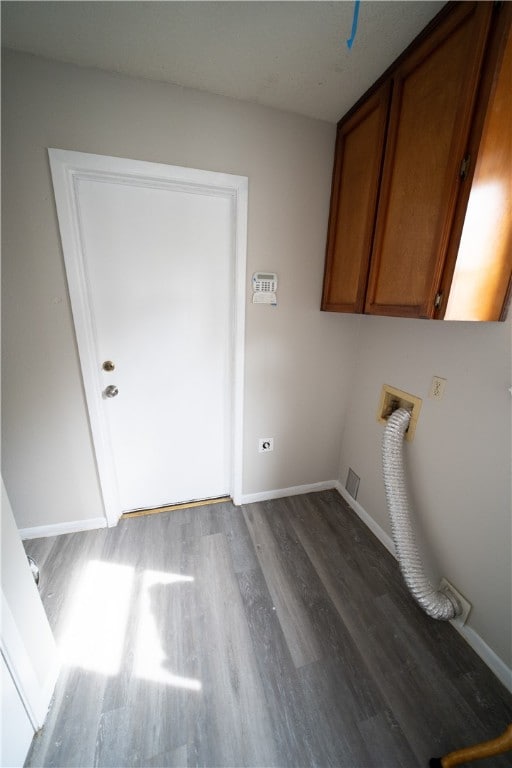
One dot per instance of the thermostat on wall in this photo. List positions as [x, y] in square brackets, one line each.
[264, 287]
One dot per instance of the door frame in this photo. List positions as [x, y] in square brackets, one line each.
[67, 168]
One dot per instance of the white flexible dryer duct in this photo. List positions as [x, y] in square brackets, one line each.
[436, 604]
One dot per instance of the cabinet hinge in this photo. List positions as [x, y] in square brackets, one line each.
[464, 166]
[438, 299]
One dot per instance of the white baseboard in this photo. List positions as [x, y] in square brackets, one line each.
[493, 661]
[56, 529]
[374, 527]
[280, 493]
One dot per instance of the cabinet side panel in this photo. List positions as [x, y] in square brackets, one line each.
[484, 262]
[359, 149]
[434, 92]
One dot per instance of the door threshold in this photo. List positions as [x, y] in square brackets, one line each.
[173, 507]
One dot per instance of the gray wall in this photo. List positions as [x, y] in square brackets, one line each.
[459, 464]
[294, 383]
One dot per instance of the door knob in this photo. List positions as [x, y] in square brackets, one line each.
[108, 365]
[111, 391]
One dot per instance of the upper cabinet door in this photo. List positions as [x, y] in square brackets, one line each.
[477, 283]
[359, 152]
[433, 97]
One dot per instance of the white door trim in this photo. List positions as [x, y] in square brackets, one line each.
[35, 698]
[67, 168]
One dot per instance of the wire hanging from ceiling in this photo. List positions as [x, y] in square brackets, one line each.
[355, 19]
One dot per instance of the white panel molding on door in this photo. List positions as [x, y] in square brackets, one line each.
[77, 173]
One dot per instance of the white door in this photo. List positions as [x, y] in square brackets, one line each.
[17, 730]
[29, 658]
[154, 256]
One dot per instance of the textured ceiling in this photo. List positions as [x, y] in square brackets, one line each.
[289, 55]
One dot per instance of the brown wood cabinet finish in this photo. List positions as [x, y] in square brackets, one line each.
[434, 93]
[359, 153]
[478, 272]
[397, 256]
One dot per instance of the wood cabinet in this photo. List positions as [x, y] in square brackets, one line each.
[403, 169]
[356, 179]
[477, 282]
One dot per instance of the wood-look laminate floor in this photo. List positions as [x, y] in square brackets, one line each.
[277, 634]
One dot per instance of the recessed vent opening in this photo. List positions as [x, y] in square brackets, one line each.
[352, 484]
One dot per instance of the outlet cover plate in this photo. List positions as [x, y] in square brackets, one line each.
[437, 386]
[265, 444]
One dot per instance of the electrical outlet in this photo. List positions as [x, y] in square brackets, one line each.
[265, 444]
[437, 388]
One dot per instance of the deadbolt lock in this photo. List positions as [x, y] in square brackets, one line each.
[108, 365]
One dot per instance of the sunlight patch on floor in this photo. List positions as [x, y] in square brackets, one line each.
[96, 631]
